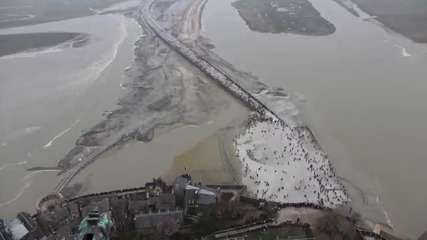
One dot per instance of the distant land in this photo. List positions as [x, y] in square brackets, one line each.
[283, 16]
[406, 17]
[16, 13]
[15, 43]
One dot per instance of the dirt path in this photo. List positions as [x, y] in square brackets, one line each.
[191, 23]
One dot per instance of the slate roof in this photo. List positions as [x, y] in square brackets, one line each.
[150, 220]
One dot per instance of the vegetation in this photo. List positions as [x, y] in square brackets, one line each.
[283, 16]
[15, 13]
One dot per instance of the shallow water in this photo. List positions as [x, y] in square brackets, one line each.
[365, 92]
[138, 162]
[48, 98]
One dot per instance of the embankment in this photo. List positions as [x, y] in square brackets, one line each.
[208, 68]
[315, 174]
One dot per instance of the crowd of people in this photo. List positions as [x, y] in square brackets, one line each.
[280, 161]
[294, 149]
[301, 205]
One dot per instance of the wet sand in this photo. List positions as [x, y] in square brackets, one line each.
[364, 104]
[15, 43]
[404, 17]
[203, 163]
[191, 146]
[166, 96]
[314, 169]
[19, 13]
[213, 160]
[279, 16]
[43, 109]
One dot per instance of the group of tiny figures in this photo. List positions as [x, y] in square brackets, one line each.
[298, 148]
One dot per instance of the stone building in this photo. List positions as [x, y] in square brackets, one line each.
[151, 220]
[23, 227]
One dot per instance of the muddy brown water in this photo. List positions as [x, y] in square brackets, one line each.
[44, 110]
[48, 98]
[364, 91]
[194, 147]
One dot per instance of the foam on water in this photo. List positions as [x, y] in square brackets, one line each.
[34, 53]
[60, 134]
[404, 52]
[54, 138]
[20, 133]
[393, 43]
[384, 211]
[119, 6]
[13, 164]
[95, 11]
[85, 74]
[98, 67]
[19, 19]
[133, 50]
[29, 130]
[27, 183]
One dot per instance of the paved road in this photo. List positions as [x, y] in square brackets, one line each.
[228, 84]
[70, 174]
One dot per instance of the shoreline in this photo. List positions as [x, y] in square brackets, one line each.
[15, 44]
[358, 198]
[358, 155]
[273, 99]
[270, 97]
[361, 8]
[397, 23]
[147, 105]
[167, 154]
[33, 15]
[92, 155]
[212, 159]
[33, 141]
[273, 117]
